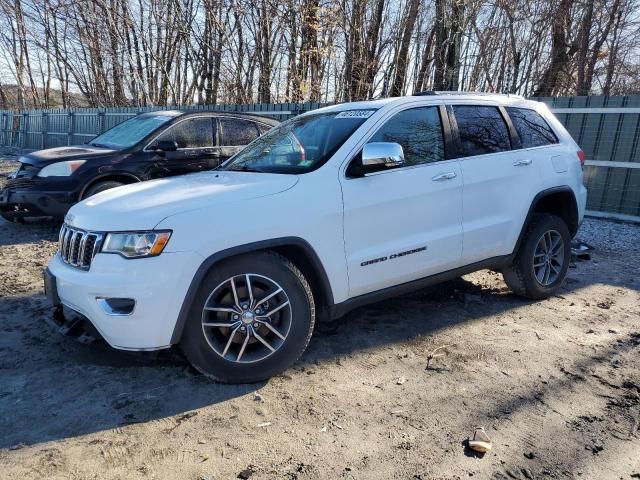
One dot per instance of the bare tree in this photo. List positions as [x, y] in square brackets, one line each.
[151, 52]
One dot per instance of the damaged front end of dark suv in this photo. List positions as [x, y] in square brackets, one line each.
[24, 194]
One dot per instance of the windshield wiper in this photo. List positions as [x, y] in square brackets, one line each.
[99, 145]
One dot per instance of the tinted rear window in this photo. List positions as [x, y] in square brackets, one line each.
[533, 130]
[237, 132]
[482, 130]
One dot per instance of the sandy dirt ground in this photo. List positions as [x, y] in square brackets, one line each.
[556, 384]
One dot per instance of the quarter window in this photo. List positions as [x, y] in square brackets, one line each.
[264, 128]
[481, 129]
[418, 131]
[238, 132]
[190, 133]
[533, 130]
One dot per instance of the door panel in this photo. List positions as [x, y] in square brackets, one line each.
[498, 190]
[498, 182]
[406, 223]
[402, 225]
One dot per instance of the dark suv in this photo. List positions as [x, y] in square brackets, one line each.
[148, 146]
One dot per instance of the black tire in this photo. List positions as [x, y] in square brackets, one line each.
[197, 348]
[101, 187]
[520, 276]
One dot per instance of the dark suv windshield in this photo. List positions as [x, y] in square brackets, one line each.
[299, 145]
[130, 132]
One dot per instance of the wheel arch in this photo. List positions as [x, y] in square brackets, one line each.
[560, 201]
[123, 177]
[295, 249]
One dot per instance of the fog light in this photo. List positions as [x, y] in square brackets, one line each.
[116, 306]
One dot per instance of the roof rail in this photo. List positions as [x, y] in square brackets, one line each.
[450, 92]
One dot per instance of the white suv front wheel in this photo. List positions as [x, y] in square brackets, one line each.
[253, 317]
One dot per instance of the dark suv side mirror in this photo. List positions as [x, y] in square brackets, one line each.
[166, 146]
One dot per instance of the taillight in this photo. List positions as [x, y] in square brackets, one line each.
[582, 157]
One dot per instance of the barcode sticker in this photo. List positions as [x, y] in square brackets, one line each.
[355, 114]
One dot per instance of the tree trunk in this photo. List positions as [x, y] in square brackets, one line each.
[401, 61]
[559, 50]
[440, 46]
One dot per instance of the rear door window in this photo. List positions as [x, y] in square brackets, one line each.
[191, 133]
[533, 130]
[481, 129]
[418, 131]
[238, 132]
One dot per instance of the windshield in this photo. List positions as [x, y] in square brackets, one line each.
[130, 132]
[299, 145]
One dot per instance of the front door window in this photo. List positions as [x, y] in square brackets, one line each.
[190, 133]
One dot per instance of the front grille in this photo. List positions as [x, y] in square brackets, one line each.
[24, 177]
[20, 182]
[78, 247]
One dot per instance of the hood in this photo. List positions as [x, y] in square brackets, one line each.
[42, 158]
[141, 206]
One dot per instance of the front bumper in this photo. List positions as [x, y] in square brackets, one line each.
[158, 285]
[34, 203]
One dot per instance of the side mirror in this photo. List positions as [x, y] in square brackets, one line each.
[378, 156]
[166, 146]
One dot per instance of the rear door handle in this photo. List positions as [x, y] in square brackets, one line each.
[444, 176]
[521, 163]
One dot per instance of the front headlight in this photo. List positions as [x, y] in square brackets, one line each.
[61, 169]
[136, 244]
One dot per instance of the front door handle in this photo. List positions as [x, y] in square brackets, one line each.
[444, 176]
[521, 163]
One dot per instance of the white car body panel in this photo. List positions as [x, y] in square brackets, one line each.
[154, 200]
[476, 215]
[157, 284]
[311, 211]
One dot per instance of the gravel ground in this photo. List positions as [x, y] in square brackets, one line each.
[555, 383]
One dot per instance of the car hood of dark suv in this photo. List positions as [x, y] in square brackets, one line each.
[42, 158]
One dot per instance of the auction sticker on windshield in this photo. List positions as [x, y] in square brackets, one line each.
[355, 114]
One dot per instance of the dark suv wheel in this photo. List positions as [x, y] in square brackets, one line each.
[252, 318]
[541, 263]
[101, 187]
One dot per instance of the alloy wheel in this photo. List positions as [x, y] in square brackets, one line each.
[548, 257]
[246, 318]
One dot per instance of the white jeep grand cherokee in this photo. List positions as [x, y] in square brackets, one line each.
[331, 210]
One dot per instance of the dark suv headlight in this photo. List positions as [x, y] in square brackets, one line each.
[61, 169]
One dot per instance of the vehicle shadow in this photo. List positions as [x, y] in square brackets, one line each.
[54, 388]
